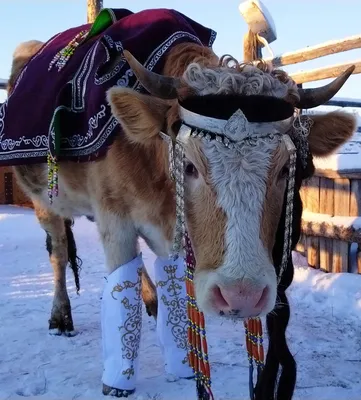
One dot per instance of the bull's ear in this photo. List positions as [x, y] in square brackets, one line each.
[141, 116]
[330, 131]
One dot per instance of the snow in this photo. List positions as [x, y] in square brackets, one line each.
[324, 331]
[339, 221]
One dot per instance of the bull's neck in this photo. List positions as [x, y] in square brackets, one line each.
[159, 205]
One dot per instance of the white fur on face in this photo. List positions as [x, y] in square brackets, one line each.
[239, 178]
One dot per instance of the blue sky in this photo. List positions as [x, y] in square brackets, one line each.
[299, 24]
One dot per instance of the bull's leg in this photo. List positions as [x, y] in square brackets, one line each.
[61, 320]
[149, 294]
[121, 305]
[172, 320]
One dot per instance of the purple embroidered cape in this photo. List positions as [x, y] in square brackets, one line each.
[66, 111]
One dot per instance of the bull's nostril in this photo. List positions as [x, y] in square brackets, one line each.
[218, 298]
[263, 299]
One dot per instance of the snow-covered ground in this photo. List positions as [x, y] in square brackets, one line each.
[324, 331]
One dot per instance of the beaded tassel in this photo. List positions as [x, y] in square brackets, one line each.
[178, 162]
[61, 57]
[254, 344]
[197, 341]
[289, 205]
[52, 177]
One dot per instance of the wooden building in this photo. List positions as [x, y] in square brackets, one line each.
[10, 192]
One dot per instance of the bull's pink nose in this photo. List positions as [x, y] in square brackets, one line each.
[247, 299]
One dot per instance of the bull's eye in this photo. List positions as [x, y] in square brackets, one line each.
[284, 172]
[190, 170]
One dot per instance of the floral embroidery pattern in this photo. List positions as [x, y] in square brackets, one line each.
[176, 305]
[131, 329]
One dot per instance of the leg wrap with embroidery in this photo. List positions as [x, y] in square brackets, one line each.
[121, 325]
[172, 321]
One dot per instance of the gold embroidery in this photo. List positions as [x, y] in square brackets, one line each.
[176, 305]
[129, 372]
[119, 288]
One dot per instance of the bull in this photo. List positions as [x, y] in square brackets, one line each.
[235, 197]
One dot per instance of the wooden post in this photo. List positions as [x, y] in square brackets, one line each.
[358, 259]
[94, 7]
[261, 24]
[313, 205]
[326, 207]
[252, 48]
[342, 207]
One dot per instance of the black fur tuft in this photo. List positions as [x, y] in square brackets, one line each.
[74, 261]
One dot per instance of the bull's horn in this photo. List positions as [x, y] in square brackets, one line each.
[310, 98]
[157, 85]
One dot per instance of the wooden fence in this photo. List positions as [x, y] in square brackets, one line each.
[331, 222]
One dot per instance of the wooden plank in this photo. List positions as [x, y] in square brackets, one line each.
[355, 198]
[313, 194]
[326, 207]
[319, 50]
[341, 207]
[327, 196]
[358, 260]
[93, 9]
[342, 197]
[325, 72]
[8, 188]
[303, 194]
[300, 246]
[329, 173]
[340, 256]
[313, 205]
[326, 254]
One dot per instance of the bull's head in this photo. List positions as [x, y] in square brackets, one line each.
[235, 195]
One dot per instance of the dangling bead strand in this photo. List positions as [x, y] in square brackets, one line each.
[61, 58]
[53, 169]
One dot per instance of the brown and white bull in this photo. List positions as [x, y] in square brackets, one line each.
[234, 197]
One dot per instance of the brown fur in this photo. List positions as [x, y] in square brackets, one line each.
[330, 131]
[61, 317]
[185, 53]
[21, 56]
[203, 207]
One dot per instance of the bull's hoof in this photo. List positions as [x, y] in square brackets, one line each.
[109, 391]
[61, 322]
[152, 309]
